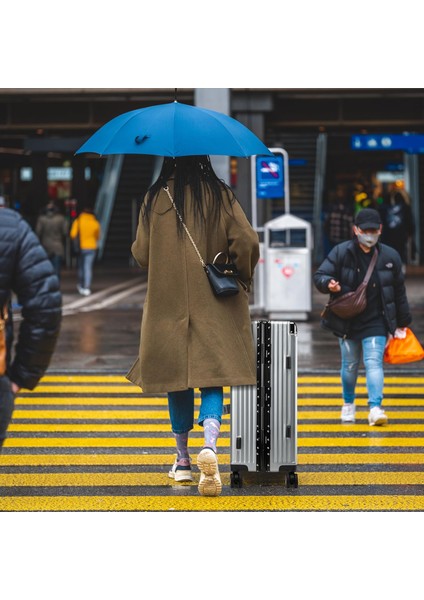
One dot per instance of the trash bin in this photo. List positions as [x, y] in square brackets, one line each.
[287, 255]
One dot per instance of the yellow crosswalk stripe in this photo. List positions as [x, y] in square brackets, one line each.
[225, 428]
[81, 427]
[85, 389]
[357, 427]
[84, 379]
[243, 503]
[406, 458]
[301, 379]
[361, 379]
[145, 442]
[363, 402]
[403, 458]
[115, 401]
[159, 414]
[162, 479]
[133, 389]
[88, 415]
[332, 414]
[337, 389]
[119, 401]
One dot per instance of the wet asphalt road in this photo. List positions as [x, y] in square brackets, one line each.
[101, 332]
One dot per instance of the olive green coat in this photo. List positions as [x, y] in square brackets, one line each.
[189, 337]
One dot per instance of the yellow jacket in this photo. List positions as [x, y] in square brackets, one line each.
[88, 228]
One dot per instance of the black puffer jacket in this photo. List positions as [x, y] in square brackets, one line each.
[26, 271]
[341, 264]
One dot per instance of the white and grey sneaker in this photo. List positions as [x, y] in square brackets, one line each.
[348, 413]
[210, 480]
[180, 472]
[377, 416]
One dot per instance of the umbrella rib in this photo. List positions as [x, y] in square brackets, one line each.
[210, 113]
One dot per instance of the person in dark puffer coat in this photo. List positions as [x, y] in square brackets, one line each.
[386, 314]
[26, 270]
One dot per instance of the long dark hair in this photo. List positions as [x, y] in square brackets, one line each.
[206, 187]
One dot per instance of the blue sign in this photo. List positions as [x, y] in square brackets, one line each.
[269, 177]
[410, 143]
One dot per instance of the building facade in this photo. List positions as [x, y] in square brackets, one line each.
[41, 129]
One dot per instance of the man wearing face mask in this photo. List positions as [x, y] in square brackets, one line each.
[386, 313]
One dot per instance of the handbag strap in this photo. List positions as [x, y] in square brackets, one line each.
[185, 227]
[371, 267]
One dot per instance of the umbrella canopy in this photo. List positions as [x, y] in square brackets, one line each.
[174, 129]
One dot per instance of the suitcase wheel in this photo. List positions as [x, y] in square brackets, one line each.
[292, 480]
[235, 480]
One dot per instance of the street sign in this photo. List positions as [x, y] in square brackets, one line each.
[269, 176]
[411, 143]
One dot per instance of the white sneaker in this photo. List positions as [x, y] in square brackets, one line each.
[377, 416]
[80, 290]
[180, 473]
[85, 292]
[348, 413]
[210, 481]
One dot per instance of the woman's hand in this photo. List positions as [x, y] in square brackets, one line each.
[334, 286]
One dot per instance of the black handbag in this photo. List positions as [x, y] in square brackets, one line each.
[221, 276]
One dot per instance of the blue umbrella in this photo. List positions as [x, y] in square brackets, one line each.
[174, 129]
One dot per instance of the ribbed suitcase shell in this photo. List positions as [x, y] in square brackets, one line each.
[279, 435]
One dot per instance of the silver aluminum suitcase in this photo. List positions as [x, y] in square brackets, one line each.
[264, 417]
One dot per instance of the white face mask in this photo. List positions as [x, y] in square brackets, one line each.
[368, 239]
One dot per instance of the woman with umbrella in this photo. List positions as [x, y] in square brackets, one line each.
[191, 338]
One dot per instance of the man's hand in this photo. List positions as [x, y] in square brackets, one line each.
[334, 286]
[400, 333]
[15, 387]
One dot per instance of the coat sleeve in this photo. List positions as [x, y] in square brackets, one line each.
[140, 247]
[243, 243]
[74, 229]
[326, 272]
[37, 290]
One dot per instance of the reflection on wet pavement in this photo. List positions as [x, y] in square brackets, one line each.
[108, 338]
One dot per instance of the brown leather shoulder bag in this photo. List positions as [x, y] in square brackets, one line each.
[353, 303]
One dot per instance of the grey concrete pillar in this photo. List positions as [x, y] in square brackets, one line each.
[216, 99]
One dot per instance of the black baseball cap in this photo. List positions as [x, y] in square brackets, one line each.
[368, 218]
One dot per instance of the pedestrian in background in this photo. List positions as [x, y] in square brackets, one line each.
[189, 337]
[52, 229]
[397, 220]
[26, 271]
[339, 219]
[86, 231]
[386, 312]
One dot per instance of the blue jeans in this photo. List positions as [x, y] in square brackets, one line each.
[85, 267]
[56, 261]
[181, 407]
[7, 402]
[373, 351]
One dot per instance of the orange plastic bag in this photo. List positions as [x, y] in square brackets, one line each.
[404, 350]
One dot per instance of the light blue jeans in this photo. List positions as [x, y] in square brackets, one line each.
[373, 351]
[85, 268]
[181, 407]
